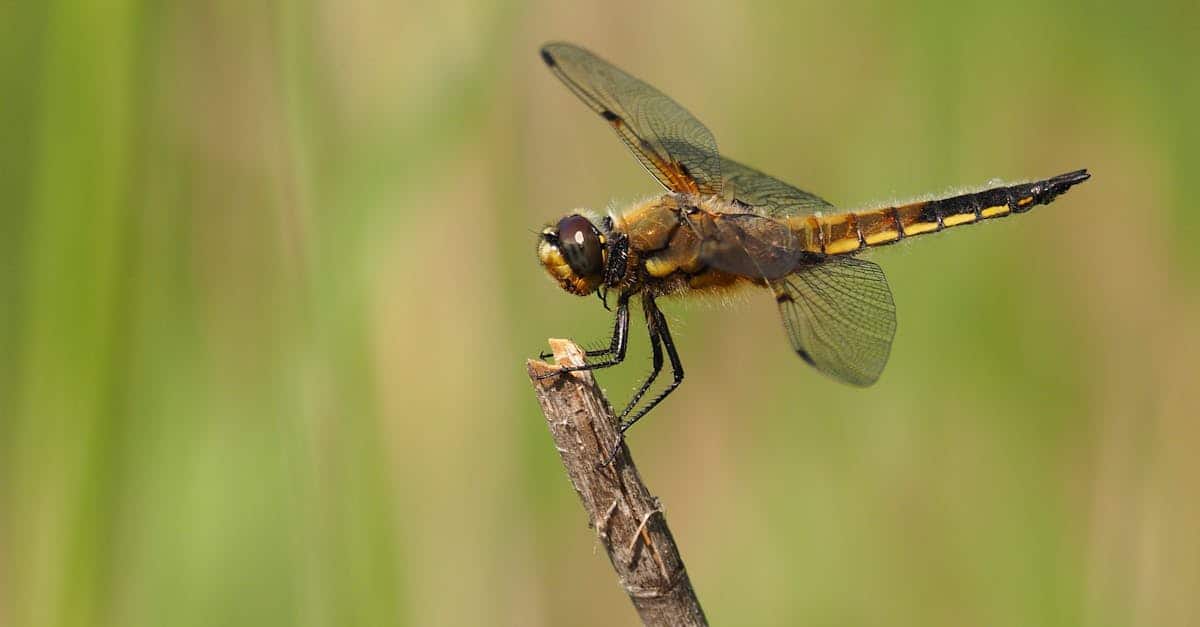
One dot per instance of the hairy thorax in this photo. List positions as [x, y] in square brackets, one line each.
[665, 245]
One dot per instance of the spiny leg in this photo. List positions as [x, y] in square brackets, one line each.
[660, 336]
[660, 332]
[613, 343]
[616, 347]
[656, 357]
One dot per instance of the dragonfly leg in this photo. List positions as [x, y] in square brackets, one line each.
[660, 336]
[656, 360]
[659, 331]
[615, 353]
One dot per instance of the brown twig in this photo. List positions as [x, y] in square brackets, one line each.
[628, 520]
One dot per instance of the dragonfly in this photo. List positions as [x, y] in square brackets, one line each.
[724, 226]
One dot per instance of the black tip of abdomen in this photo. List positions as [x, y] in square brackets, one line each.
[1065, 181]
[1043, 192]
[1059, 185]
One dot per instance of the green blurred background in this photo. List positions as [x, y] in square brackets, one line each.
[267, 285]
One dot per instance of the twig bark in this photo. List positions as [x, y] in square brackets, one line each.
[627, 518]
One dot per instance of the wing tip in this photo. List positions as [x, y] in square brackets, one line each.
[551, 50]
[857, 379]
[866, 382]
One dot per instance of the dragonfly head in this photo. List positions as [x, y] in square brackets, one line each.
[573, 252]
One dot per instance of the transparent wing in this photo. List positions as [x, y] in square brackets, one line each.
[747, 244]
[672, 144]
[757, 243]
[766, 194]
[840, 317]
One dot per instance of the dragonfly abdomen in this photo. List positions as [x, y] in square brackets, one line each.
[847, 233]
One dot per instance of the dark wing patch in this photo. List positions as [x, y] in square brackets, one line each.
[840, 317]
[746, 244]
[766, 194]
[672, 144]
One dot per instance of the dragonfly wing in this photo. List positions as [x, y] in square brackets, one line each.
[758, 242]
[670, 142]
[840, 317]
[766, 194]
[746, 244]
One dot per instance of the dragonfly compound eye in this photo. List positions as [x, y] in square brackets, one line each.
[580, 244]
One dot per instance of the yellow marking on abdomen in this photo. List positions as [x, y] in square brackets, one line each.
[881, 226]
[889, 224]
[811, 233]
[882, 237]
[918, 228]
[962, 218]
[834, 234]
[844, 245]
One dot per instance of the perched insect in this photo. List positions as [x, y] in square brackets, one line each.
[723, 225]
